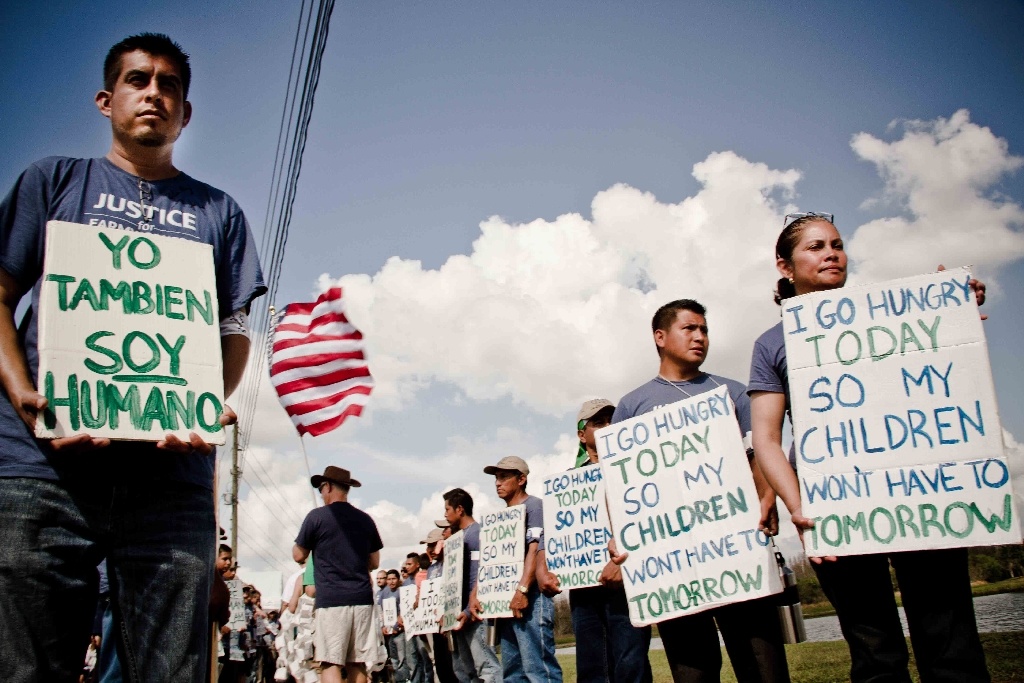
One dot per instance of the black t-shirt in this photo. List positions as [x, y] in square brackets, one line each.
[343, 538]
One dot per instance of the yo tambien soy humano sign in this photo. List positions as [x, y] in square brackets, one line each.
[129, 336]
[683, 505]
[896, 431]
[576, 528]
[502, 556]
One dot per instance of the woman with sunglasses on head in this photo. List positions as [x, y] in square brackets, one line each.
[934, 584]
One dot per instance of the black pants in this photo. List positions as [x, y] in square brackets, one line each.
[443, 660]
[936, 589]
[753, 639]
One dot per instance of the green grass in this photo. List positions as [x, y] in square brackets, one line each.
[825, 662]
[824, 609]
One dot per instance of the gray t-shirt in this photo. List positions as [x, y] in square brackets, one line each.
[534, 520]
[769, 370]
[660, 392]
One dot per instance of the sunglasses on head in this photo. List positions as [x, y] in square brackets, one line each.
[790, 217]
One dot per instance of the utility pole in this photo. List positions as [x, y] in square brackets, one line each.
[235, 472]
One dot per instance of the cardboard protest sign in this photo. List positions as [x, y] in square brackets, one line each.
[502, 556]
[576, 528]
[451, 580]
[683, 505]
[390, 608]
[426, 613]
[236, 604]
[897, 435]
[407, 600]
[129, 336]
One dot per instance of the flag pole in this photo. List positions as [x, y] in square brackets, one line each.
[305, 457]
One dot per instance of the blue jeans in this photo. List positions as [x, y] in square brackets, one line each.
[159, 539]
[528, 643]
[422, 671]
[474, 659]
[608, 646]
[107, 665]
[398, 652]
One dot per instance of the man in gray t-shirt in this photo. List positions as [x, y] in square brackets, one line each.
[527, 639]
[750, 629]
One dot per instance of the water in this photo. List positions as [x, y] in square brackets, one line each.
[1003, 612]
[994, 613]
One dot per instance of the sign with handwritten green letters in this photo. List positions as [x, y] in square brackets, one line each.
[451, 580]
[129, 336]
[682, 503]
[576, 527]
[502, 557]
[896, 430]
[427, 611]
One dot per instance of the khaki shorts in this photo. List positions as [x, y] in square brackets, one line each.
[348, 635]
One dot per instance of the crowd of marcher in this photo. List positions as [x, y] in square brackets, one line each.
[147, 509]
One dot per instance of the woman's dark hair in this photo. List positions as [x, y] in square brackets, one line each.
[788, 239]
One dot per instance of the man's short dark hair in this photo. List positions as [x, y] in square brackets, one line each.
[156, 44]
[415, 556]
[424, 561]
[224, 548]
[666, 315]
[460, 498]
[394, 572]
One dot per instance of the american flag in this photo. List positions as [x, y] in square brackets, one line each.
[317, 364]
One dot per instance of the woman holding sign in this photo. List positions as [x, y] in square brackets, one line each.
[935, 584]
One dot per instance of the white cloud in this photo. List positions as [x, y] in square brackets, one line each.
[942, 176]
[552, 313]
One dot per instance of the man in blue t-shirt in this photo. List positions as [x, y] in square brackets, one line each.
[474, 659]
[528, 638]
[750, 629]
[147, 507]
[347, 546]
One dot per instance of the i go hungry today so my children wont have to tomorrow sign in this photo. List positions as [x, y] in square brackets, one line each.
[129, 336]
[896, 431]
[682, 503]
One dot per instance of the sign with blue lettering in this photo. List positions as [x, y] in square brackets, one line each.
[129, 336]
[896, 431]
[576, 528]
[502, 556]
[683, 505]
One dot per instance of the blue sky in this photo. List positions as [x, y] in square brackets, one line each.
[433, 117]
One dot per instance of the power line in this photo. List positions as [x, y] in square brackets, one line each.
[268, 505]
[273, 487]
[298, 110]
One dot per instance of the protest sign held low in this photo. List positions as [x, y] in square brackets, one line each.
[407, 603]
[682, 503]
[129, 336]
[576, 528]
[451, 580]
[896, 430]
[502, 556]
[424, 616]
[389, 606]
